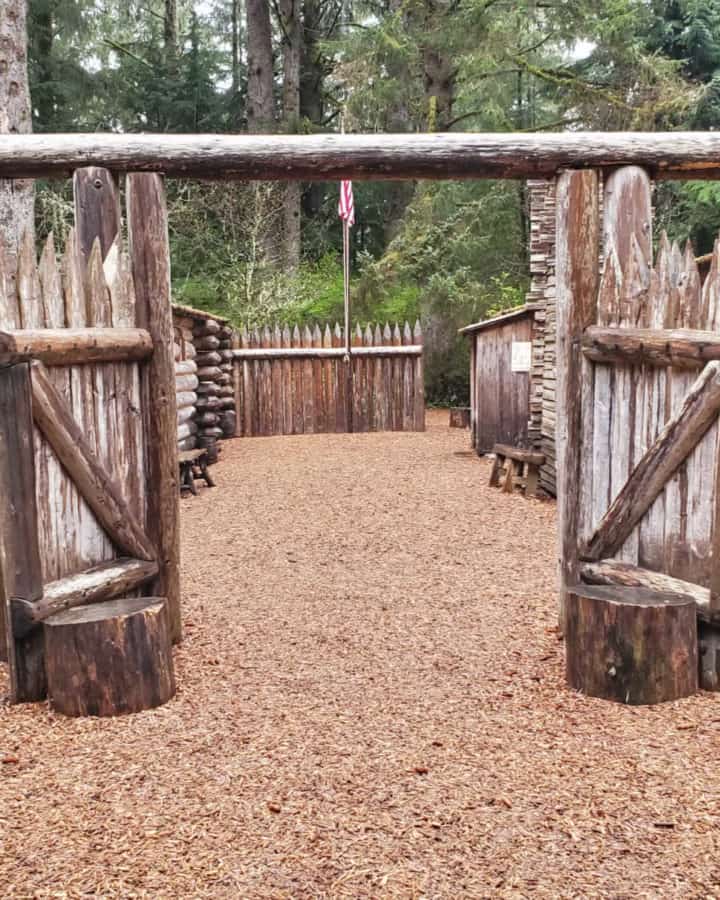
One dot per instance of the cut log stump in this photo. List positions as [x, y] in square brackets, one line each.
[459, 416]
[631, 645]
[110, 658]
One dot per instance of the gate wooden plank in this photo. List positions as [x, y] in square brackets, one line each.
[576, 276]
[627, 230]
[150, 254]
[672, 447]
[100, 491]
[20, 567]
[62, 501]
[94, 544]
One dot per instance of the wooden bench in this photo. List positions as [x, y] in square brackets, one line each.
[515, 467]
[194, 464]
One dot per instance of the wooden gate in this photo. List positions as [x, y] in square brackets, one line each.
[639, 378]
[88, 447]
[301, 382]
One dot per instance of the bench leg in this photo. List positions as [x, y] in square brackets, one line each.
[495, 471]
[510, 475]
[206, 475]
[532, 481]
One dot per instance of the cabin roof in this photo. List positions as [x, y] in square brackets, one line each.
[519, 312]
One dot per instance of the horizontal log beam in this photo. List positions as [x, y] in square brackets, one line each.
[325, 352]
[57, 424]
[74, 346]
[102, 582]
[329, 157]
[681, 348]
[675, 442]
[623, 574]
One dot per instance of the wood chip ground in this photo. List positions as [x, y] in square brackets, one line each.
[371, 704]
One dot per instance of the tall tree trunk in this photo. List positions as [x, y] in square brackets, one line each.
[235, 88]
[170, 30]
[439, 89]
[17, 198]
[397, 194]
[291, 29]
[261, 117]
[260, 106]
[312, 74]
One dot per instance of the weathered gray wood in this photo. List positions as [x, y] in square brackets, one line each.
[627, 239]
[102, 582]
[20, 567]
[74, 346]
[577, 242]
[520, 454]
[631, 645]
[624, 574]
[56, 422]
[362, 156]
[150, 254]
[672, 446]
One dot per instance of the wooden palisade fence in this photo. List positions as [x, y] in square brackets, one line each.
[88, 443]
[300, 382]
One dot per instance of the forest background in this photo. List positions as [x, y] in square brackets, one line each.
[446, 252]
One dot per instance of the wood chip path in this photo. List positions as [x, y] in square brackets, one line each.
[371, 704]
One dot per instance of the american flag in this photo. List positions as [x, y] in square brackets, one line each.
[346, 206]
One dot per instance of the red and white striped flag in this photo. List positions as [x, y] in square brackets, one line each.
[346, 206]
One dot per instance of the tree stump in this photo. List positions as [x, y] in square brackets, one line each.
[459, 416]
[631, 645]
[109, 658]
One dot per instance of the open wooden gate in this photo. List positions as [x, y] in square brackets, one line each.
[88, 447]
[639, 382]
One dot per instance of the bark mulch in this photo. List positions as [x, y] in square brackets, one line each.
[371, 704]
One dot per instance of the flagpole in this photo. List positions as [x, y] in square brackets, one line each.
[346, 272]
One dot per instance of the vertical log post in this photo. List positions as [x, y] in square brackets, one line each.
[576, 275]
[97, 209]
[20, 569]
[473, 389]
[150, 255]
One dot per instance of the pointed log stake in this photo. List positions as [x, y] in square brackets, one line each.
[20, 569]
[55, 420]
[97, 209]
[675, 442]
[150, 255]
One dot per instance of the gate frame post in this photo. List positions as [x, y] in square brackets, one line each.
[150, 256]
[577, 275]
[20, 567]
